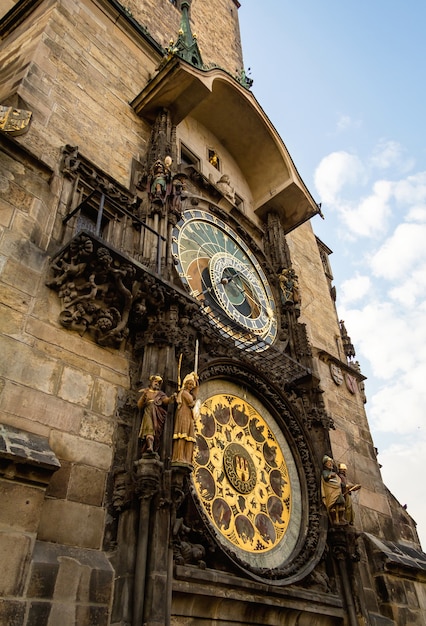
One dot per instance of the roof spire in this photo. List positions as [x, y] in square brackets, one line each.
[186, 46]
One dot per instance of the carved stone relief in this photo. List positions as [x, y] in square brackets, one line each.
[105, 294]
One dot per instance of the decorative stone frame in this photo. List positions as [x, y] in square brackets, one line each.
[313, 530]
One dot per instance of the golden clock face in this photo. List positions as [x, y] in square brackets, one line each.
[218, 269]
[245, 476]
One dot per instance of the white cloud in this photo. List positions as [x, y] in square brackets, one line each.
[346, 122]
[391, 338]
[354, 289]
[417, 214]
[412, 290]
[338, 178]
[411, 190]
[335, 172]
[401, 464]
[369, 218]
[386, 154]
[401, 252]
[341, 179]
[399, 407]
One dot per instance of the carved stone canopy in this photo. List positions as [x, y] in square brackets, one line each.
[185, 91]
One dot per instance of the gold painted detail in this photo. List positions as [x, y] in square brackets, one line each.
[14, 121]
[240, 474]
[239, 468]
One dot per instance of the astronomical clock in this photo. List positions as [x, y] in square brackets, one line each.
[249, 482]
[245, 477]
[221, 272]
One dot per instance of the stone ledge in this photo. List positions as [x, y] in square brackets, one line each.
[25, 456]
[398, 557]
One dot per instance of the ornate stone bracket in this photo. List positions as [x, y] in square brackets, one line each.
[105, 294]
[148, 473]
[309, 405]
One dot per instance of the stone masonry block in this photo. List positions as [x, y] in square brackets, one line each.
[6, 213]
[17, 196]
[104, 398]
[100, 586]
[411, 595]
[20, 505]
[78, 450]
[42, 580]
[21, 364]
[58, 485]
[76, 386]
[92, 615]
[87, 485]
[40, 407]
[13, 298]
[11, 321]
[72, 524]
[12, 613]
[39, 613]
[73, 343]
[374, 501]
[68, 574]
[14, 556]
[97, 429]
[18, 274]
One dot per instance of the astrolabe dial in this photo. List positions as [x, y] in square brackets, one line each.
[245, 478]
[220, 271]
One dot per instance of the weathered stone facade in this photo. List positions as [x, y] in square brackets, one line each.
[125, 134]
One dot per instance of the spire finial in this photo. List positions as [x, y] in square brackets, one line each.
[186, 46]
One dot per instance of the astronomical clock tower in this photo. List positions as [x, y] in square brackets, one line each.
[183, 436]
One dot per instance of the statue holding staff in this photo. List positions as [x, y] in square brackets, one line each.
[184, 427]
[152, 403]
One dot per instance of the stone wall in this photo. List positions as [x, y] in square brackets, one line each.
[58, 387]
[56, 384]
[76, 68]
[215, 24]
[78, 98]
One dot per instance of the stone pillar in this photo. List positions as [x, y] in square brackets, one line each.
[342, 541]
[158, 581]
[148, 477]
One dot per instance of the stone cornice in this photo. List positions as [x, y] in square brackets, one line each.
[26, 457]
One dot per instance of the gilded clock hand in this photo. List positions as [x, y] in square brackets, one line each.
[224, 281]
[249, 296]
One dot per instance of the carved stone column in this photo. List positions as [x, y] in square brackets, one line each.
[148, 476]
[343, 552]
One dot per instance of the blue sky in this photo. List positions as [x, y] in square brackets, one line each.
[343, 83]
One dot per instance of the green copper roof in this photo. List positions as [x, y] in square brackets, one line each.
[186, 46]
